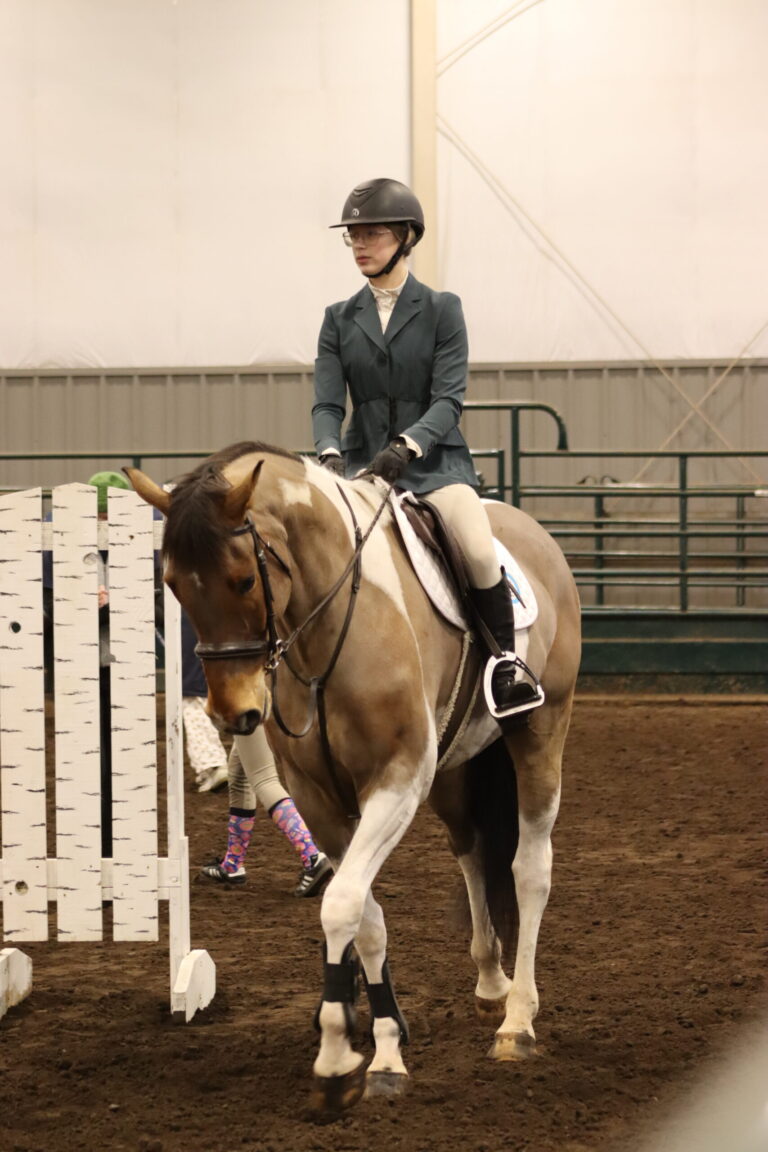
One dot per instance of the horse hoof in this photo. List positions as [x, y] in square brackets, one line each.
[332, 1095]
[491, 1011]
[513, 1046]
[386, 1084]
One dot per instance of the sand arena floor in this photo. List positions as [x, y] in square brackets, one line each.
[651, 962]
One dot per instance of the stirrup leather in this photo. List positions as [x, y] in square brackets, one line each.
[535, 700]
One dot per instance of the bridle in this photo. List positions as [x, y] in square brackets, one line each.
[271, 646]
[276, 650]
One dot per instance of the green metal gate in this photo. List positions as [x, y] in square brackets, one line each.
[673, 574]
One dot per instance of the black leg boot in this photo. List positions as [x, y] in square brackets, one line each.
[512, 687]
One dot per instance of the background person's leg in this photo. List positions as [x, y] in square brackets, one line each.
[205, 751]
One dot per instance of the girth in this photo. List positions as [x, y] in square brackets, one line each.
[461, 701]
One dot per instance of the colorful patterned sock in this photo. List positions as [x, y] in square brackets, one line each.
[241, 821]
[288, 819]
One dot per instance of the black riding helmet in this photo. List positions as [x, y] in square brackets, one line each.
[384, 201]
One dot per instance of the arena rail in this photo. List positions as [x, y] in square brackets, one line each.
[187, 457]
[75, 877]
[669, 547]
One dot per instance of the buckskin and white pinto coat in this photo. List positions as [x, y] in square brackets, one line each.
[384, 701]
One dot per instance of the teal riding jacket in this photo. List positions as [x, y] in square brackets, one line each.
[409, 380]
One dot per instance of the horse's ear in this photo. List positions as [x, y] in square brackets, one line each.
[239, 496]
[148, 490]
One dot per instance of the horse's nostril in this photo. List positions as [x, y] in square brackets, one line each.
[248, 722]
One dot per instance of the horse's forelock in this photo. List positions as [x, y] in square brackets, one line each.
[196, 532]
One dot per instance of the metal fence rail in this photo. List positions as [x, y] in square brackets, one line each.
[676, 544]
[623, 404]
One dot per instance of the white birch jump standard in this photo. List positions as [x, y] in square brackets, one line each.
[76, 879]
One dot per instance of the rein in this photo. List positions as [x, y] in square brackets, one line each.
[276, 650]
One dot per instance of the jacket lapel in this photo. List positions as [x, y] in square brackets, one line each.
[367, 317]
[408, 306]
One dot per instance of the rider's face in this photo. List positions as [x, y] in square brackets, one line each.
[373, 245]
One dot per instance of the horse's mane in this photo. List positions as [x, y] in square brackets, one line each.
[195, 535]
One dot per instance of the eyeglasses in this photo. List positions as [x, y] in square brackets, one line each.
[365, 236]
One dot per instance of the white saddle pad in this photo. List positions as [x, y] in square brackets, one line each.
[434, 578]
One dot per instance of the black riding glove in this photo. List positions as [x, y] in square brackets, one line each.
[392, 461]
[333, 462]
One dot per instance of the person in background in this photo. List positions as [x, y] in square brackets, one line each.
[253, 780]
[205, 751]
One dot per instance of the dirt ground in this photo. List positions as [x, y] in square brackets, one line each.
[651, 963]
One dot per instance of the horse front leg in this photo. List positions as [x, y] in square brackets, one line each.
[339, 1075]
[387, 1074]
[537, 764]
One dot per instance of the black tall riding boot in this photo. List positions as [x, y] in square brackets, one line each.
[511, 690]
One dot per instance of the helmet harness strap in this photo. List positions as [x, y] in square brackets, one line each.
[403, 249]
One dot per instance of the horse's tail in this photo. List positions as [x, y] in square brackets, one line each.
[492, 807]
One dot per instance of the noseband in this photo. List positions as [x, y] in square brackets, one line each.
[271, 647]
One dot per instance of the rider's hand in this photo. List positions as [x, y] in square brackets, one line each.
[333, 462]
[392, 461]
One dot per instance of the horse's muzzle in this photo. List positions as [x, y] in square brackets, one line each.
[247, 722]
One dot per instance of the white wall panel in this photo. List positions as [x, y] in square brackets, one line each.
[604, 175]
[170, 168]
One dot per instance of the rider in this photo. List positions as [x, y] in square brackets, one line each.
[400, 350]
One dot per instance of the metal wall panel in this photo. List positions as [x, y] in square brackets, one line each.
[627, 406]
[611, 406]
[632, 407]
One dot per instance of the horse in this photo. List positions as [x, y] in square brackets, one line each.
[295, 577]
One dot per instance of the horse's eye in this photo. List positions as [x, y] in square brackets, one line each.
[244, 586]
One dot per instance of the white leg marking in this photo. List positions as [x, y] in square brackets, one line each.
[387, 1057]
[371, 943]
[336, 1057]
[383, 822]
[492, 981]
[533, 874]
[371, 939]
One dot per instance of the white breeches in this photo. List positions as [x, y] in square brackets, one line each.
[463, 512]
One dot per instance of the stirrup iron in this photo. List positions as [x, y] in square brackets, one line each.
[534, 700]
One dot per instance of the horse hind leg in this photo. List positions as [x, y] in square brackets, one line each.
[537, 764]
[478, 803]
[493, 984]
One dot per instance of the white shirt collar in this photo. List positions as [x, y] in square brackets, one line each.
[387, 293]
